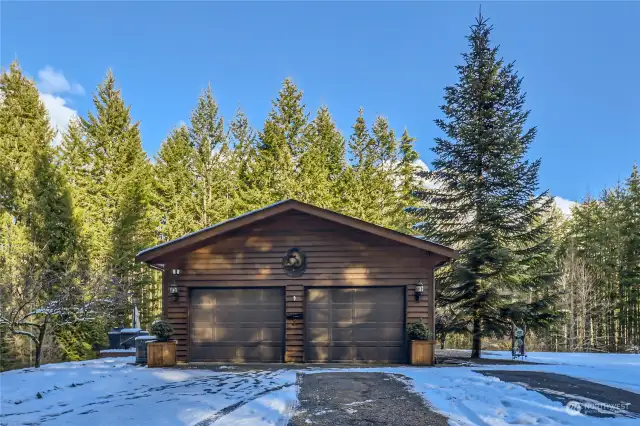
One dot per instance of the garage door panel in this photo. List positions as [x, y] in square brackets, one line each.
[202, 334]
[237, 325]
[387, 354]
[202, 298]
[342, 295]
[318, 295]
[357, 324]
[202, 315]
[318, 353]
[342, 353]
[318, 334]
[387, 335]
[342, 315]
[342, 335]
[316, 314]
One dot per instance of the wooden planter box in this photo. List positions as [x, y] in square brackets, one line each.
[161, 354]
[423, 352]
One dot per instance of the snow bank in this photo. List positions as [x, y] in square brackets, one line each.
[110, 391]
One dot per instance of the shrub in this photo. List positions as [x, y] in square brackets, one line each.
[161, 329]
[419, 331]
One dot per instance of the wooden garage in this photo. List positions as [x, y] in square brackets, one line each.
[296, 283]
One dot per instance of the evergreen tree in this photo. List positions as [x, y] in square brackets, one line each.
[121, 194]
[32, 189]
[75, 165]
[175, 185]
[211, 152]
[39, 244]
[247, 166]
[358, 178]
[486, 203]
[407, 180]
[383, 183]
[629, 289]
[282, 142]
[323, 163]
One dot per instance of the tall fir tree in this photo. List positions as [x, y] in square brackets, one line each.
[121, 194]
[629, 288]
[486, 203]
[359, 176]
[383, 183]
[408, 183]
[32, 189]
[247, 166]
[211, 152]
[323, 163]
[282, 142]
[175, 186]
[39, 233]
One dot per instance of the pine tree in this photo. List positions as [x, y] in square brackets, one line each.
[486, 204]
[629, 290]
[408, 183]
[247, 166]
[211, 151]
[383, 182]
[282, 142]
[175, 185]
[32, 188]
[38, 237]
[323, 163]
[360, 202]
[75, 164]
[121, 194]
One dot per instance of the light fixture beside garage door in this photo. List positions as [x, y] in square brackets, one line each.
[419, 290]
[294, 263]
[173, 288]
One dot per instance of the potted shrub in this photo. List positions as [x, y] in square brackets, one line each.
[422, 343]
[162, 351]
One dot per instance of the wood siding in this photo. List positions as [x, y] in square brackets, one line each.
[336, 256]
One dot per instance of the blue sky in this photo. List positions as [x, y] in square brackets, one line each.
[579, 62]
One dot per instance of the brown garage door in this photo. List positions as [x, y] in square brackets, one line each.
[240, 325]
[355, 324]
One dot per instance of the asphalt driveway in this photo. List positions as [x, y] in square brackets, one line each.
[344, 398]
[588, 398]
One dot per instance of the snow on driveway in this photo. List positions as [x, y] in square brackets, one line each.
[112, 392]
[617, 370]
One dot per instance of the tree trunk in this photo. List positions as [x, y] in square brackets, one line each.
[475, 349]
[41, 333]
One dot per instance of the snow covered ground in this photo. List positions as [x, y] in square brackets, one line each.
[617, 370]
[110, 391]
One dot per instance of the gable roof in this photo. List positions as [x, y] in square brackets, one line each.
[152, 253]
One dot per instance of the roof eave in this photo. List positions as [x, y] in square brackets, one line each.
[148, 255]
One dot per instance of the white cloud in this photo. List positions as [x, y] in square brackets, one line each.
[51, 85]
[52, 81]
[59, 114]
[564, 205]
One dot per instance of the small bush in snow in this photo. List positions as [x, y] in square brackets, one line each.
[419, 331]
[162, 330]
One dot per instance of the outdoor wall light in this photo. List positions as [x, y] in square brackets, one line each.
[173, 288]
[419, 290]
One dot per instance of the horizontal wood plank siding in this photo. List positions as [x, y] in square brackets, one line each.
[336, 256]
